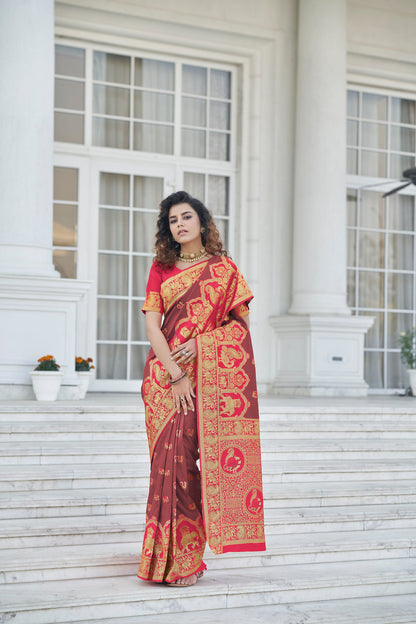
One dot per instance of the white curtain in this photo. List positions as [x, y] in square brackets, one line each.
[127, 225]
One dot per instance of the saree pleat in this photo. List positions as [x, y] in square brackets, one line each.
[224, 502]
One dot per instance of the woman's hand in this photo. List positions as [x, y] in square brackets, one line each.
[182, 395]
[185, 352]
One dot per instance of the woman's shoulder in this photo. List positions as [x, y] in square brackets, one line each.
[229, 262]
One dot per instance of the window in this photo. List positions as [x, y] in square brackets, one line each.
[65, 221]
[143, 104]
[381, 231]
[138, 128]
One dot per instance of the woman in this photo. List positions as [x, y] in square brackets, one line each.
[199, 391]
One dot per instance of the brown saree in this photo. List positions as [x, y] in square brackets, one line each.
[202, 302]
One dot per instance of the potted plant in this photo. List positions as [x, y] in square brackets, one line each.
[83, 368]
[46, 379]
[408, 355]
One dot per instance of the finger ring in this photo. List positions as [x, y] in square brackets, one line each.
[184, 352]
[182, 398]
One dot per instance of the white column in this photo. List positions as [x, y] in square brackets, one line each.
[319, 345]
[319, 276]
[26, 130]
[38, 309]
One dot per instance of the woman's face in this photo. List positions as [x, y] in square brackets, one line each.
[185, 225]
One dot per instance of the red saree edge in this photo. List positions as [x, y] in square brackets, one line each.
[201, 568]
[244, 547]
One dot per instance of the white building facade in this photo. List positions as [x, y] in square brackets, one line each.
[245, 105]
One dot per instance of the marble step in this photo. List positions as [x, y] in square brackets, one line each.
[53, 503]
[135, 429]
[381, 610]
[28, 477]
[121, 558]
[83, 451]
[99, 529]
[125, 596]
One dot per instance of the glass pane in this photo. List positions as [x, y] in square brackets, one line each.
[374, 106]
[373, 135]
[69, 94]
[194, 80]
[352, 103]
[352, 132]
[397, 376]
[402, 139]
[371, 249]
[401, 212]
[219, 115]
[397, 323]
[144, 230]
[69, 128]
[65, 263]
[111, 68]
[370, 289]
[153, 138]
[147, 192]
[138, 322]
[153, 106]
[374, 338]
[352, 161]
[114, 229]
[374, 368]
[193, 143]
[69, 61]
[220, 84]
[218, 194]
[351, 207]
[400, 252]
[111, 319]
[222, 226]
[351, 247]
[110, 133]
[111, 361]
[372, 210]
[373, 164]
[141, 268]
[399, 163]
[154, 74]
[351, 289]
[65, 184]
[112, 274]
[194, 112]
[400, 291]
[111, 101]
[65, 225]
[114, 189]
[138, 360]
[403, 111]
[194, 184]
[219, 146]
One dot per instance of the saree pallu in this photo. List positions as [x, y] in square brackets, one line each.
[201, 303]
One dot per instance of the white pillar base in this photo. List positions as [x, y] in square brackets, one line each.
[37, 317]
[320, 355]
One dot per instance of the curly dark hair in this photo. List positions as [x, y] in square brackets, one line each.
[167, 249]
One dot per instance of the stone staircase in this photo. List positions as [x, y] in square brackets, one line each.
[340, 508]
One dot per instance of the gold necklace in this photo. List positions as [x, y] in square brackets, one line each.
[193, 257]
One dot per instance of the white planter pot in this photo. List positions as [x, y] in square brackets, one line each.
[46, 384]
[84, 382]
[412, 379]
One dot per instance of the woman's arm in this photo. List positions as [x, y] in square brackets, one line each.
[162, 351]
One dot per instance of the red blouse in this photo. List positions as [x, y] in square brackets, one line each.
[160, 273]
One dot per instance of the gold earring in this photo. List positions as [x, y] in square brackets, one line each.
[202, 230]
